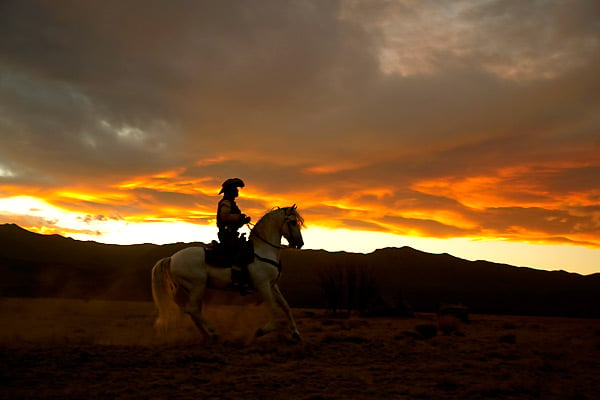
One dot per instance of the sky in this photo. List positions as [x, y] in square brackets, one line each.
[469, 127]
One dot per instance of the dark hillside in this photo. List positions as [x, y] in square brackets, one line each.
[425, 281]
[37, 265]
[34, 265]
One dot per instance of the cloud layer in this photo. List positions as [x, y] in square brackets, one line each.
[469, 119]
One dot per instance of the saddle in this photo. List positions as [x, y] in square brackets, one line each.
[218, 256]
[238, 258]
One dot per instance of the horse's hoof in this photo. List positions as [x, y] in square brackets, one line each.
[260, 332]
[296, 336]
[211, 339]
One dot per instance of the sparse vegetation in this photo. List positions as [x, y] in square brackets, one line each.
[53, 348]
[350, 288]
[508, 338]
[347, 288]
[426, 331]
[448, 324]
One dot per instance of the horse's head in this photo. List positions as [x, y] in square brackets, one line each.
[291, 227]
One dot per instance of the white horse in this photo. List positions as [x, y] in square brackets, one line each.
[180, 281]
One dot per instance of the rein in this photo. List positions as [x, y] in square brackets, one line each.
[276, 264]
[252, 231]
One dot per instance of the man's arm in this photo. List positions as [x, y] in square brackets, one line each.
[228, 216]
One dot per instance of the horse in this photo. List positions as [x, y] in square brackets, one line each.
[181, 280]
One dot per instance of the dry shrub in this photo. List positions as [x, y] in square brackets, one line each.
[448, 384]
[510, 339]
[407, 335]
[426, 331]
[448, 324]
[344, 339]
[356, 323]
[458, 310]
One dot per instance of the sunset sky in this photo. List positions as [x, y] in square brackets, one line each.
[468, 127]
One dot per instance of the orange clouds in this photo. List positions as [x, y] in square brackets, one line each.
[528, 203]
[520, 203]
[168, 181]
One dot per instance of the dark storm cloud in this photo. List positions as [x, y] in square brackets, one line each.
[511, 38]
[222, 75]
[320, 99]
[105, 86]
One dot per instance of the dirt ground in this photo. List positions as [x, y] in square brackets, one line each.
[71, 349]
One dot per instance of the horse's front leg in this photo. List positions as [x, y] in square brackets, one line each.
[267, 295]
[288, 312]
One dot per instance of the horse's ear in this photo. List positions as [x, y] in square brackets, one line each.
[294, 207]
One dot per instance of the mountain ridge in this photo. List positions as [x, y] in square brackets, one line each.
[38, 265]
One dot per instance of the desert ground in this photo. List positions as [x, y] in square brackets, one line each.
[73, 349]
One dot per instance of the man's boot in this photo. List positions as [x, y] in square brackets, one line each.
[240, 280]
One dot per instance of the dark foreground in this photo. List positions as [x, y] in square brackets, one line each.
[63, 349]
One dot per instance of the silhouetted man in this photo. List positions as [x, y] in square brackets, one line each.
[229, 219]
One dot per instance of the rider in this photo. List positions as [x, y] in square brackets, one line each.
[229, 219]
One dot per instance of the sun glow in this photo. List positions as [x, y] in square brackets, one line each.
[91, 197]
[536, 255]
[336, 225]
[157, 232]
[40, 216]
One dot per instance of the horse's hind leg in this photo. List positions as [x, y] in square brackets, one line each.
[194, 310]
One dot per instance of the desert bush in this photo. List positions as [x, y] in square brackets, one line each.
[344, 339]
[426, 331]
[510, 339]
[458, 310]
[348, 288]
[448, 324]
[407, 335]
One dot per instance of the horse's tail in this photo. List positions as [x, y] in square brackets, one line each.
[163, 290]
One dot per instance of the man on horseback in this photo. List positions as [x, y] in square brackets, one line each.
[229, 219]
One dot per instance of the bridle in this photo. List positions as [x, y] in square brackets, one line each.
[286, 220]
[278, 247]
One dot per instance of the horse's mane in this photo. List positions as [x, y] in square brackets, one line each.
[299, 217]
[294, 211]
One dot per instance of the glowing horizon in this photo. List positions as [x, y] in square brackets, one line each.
[129, 231]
